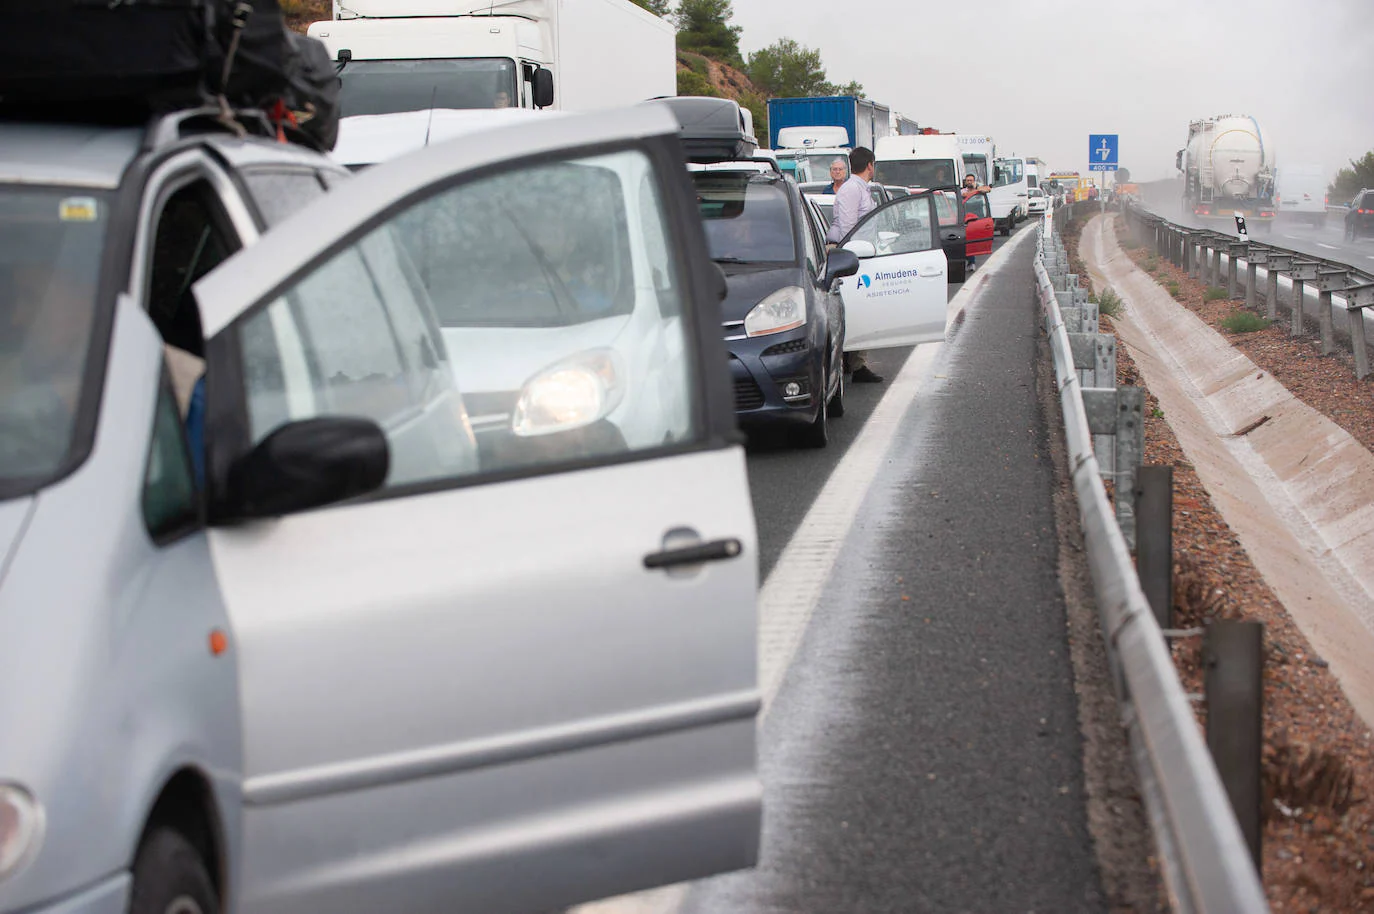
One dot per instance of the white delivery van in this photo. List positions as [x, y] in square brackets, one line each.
[417, 55]
[1010, 197]
[1301, 193]
[921, 161]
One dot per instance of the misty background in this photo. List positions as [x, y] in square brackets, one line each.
[1039, 77]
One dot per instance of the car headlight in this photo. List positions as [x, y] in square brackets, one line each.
[570, 394]
[784, 309]
[21, 827]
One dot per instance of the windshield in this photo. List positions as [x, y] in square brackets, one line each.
[977, 165]
[1010, 171]
[915, 172]
[815, 167]
[747, 221]
[50, 243]
[387, 86]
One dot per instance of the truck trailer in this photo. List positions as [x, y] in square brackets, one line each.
[808, 133]
[1228, 170]
[416, 55]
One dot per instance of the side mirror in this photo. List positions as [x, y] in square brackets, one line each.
[841, 262]
[861, 249]
[543, 87]
[307, 464]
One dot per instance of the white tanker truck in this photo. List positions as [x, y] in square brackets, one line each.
[1228, 170]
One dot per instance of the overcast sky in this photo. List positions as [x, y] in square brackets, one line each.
[1040, 76]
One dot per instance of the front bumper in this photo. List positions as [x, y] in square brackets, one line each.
[110, 896]
[760, 367]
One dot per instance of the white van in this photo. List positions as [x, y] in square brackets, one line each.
[1300, 192]
[923, 161]
[979, 152]
[1010, 197]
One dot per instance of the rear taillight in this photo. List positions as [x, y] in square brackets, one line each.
[1364, 212]
[1264, 213]
[1202, 211]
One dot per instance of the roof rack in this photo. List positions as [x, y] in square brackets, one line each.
[168, 128]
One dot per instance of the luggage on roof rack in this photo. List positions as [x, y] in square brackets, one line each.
[99, 61]
[713, 129]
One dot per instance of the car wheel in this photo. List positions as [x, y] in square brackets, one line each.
[170, 877]
[958, 270]
[836, 405]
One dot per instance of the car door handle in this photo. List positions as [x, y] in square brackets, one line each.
[714, 551]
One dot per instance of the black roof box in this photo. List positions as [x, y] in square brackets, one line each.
[713, 129]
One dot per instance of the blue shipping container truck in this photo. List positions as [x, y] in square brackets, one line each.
[864, 119]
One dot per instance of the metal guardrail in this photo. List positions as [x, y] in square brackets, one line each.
[1205, 859]
[1200, 252]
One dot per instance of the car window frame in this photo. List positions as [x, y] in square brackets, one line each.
[713, 414]
[936, 242]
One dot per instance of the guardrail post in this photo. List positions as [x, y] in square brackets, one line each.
[1357, 298]
[1329, 279]
[1216, 265]
[1154, 550]
[1238, 249]
[1303, 271]
[1251, 278]
[1104, 368]
[1277, 263]
[1130, 450]
[1234, 658]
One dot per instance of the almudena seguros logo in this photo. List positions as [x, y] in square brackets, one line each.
[887, 282]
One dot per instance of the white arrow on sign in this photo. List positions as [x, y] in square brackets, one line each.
[1105, 151]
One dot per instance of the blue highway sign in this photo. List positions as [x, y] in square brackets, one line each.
[1102, 149]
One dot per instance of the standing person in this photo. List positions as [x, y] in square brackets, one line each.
[853, 201]
[972, 187]
[839, 173]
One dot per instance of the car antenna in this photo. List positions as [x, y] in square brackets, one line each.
[433, 95]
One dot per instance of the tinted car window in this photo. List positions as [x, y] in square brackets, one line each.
[747, 220]
[978, 205]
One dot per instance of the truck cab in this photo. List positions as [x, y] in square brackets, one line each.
[806, 152]
[530, 54]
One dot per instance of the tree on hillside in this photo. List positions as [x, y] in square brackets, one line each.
[1350, 181]
[657, 7]
[787, 69]
[853, 87]
[704, 26]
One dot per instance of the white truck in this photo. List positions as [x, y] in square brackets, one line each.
[416, 55]
[979, 153]
[1300, 193]
[1228, 170]
[921, 161]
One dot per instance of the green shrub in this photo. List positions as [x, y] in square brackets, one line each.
[1152, 265]
[1244, 322]
[1109, 303]
[1174, 289]
[1216, 293]
[690, 83]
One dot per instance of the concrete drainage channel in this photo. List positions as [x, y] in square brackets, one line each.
[1206, 860]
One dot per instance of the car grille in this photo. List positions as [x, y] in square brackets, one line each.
[792, 346]
[747, 394]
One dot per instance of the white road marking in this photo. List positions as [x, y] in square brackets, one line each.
[1329, 247]
[794, 587]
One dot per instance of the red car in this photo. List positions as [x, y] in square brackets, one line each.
[978, 226]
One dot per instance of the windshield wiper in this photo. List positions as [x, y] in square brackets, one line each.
[728, 259]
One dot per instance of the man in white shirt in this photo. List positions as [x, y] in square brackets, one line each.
[853, 201]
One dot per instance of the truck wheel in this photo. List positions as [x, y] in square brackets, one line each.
[170, 877]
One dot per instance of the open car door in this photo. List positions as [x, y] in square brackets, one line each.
[519, 673]
[979, 225]
[898, 297]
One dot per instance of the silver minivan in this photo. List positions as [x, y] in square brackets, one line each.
[279, 631]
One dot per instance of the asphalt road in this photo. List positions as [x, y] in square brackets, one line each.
[923, 750]
[1326, 242]
[784, 480]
